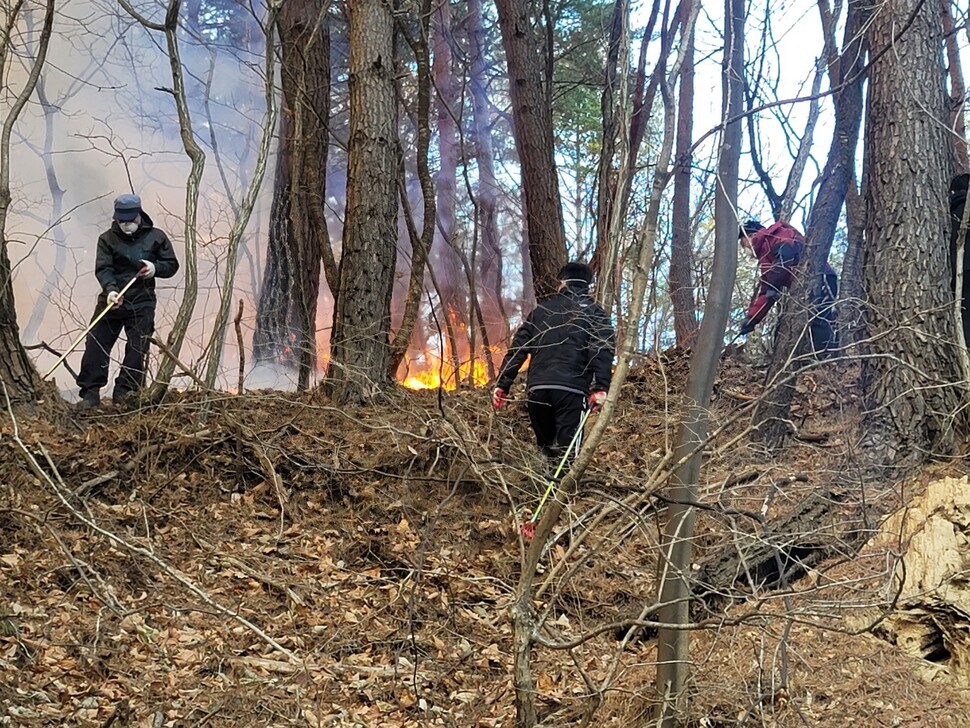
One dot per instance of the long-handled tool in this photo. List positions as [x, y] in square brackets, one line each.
[529, 527]
[86, 331]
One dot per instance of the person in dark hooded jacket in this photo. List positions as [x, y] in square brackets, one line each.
[132, 248]
[569, 341]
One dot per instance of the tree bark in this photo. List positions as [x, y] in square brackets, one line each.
[420, 242]
[359, 345]
[286, 312]
[917, 407]
[531, 110]
[673, 643]
[606, 173]
[681, 251]
[445, 260]
[851, 291]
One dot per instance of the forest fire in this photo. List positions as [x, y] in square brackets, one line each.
[431, 372]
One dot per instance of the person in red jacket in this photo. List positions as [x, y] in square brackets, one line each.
[569, 341]
[778, 249]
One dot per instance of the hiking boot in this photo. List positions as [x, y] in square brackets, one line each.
[89, 400]
[125, 399]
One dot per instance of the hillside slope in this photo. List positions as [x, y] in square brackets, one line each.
[270, 560]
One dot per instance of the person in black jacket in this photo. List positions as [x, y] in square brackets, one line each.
[132, 248]
[570, 341]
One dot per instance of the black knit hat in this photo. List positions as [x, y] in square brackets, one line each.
[750, 228]
[576, 273]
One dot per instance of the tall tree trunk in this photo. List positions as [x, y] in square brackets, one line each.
[606, 175]
[534, 143]
[286, 312]
[20, 379]
[274, 334]
[359, 345]
[606, 258]
[852, 293]
[958, 89]
[447, 265]
[490, 253]
[792, 344]
[916, 407]
[681, 251]
[673, 643]
[405, 340]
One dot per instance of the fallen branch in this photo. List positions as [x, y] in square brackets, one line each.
[88, 485]
[263, 579]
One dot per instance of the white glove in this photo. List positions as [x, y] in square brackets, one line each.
[115, 299]
[148, 269]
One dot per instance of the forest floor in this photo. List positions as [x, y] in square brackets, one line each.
[271, 560]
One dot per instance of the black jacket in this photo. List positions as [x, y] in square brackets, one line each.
[571, 342]
[119, 259]
[958, 200]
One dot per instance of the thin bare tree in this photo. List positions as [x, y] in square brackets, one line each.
[17, 372]
[673, 642]
[170, 29]
[680, 278]
[243, 211]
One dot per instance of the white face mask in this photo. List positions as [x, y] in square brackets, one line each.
[128, 228]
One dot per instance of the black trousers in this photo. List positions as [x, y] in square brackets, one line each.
[822, 327]
[555, 415]
[139, 324]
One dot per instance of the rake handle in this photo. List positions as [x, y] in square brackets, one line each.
[86, 331]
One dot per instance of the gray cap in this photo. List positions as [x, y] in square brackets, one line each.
[127, 208]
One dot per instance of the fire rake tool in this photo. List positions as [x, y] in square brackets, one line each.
[86, 331]
[528, 528]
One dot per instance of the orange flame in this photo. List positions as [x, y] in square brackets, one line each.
[430, 372]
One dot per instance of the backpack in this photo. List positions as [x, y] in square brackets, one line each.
[781, 233]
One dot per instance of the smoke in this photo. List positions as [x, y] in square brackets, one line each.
[103, 123]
